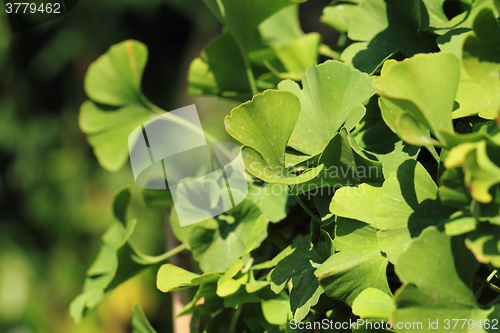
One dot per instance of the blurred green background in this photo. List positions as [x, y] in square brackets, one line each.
[55, 200]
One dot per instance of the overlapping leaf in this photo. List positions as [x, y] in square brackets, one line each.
[480, 165]
[282, 27]
[118, 260]
[113, 83]
[271, 199]
[481, 50]
[338, 16]
[264, 125]
[297, 55]
[400, 209]
[171, 278]
[439, 287]
[385, 27]
[344, 164]
[357, 266]
[220, 70]
[284, 52]
[242, 18]
[294, 50]
[472, 97]
[296, 263]
[140, 323]
[331, 93]
[217, 243]
[380, 219]
[485, 244]
[373, 303]
[420, 92]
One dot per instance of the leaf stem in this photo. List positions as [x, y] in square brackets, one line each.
[273, 70]
[481, 287]
[488, 284]
[175, 118]
[492, 275]
[433, 152]
[180, 121]
[475, 209]
[143, 258]
[251, 77]
[307, 210]
[326, 51]
[493, 302]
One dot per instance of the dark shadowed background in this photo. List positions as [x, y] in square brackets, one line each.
[55, 200]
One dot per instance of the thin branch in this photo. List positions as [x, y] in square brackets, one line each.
[307, 210]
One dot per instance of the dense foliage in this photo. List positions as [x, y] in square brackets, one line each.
[375, 175]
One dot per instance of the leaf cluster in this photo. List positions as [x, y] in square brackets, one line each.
[376, 173]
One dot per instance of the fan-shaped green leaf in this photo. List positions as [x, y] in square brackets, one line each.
[264, 126]
[115, 77]
[473, 98]
[424, 85]
[485, 244]
[337, 17]
[481, 50]
[271, 200]
[281, 27]
[387, 27]
[217, 244]
[373, 303]
[400, 209]
[330, 93]
[242, 18]
[298, 54]
[220, 70]
[297, 263]
[172, 278]
[359, 264]
[113, 83]
[480, 164]
[140, 323]
[344, 164]
[439, 287]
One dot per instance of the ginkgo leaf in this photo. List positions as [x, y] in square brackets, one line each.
[117, 105]
[425, 295]
[358, 265]
[108, 130]
[217, 243]
[264, 126]
[242, 18]
[425, 86]
[400, 209]
[331, 92]
[481, 50]
[140, 323]
[118, 260]
[115, 78]
[219, 70]
[338, 16]
[387, 27]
